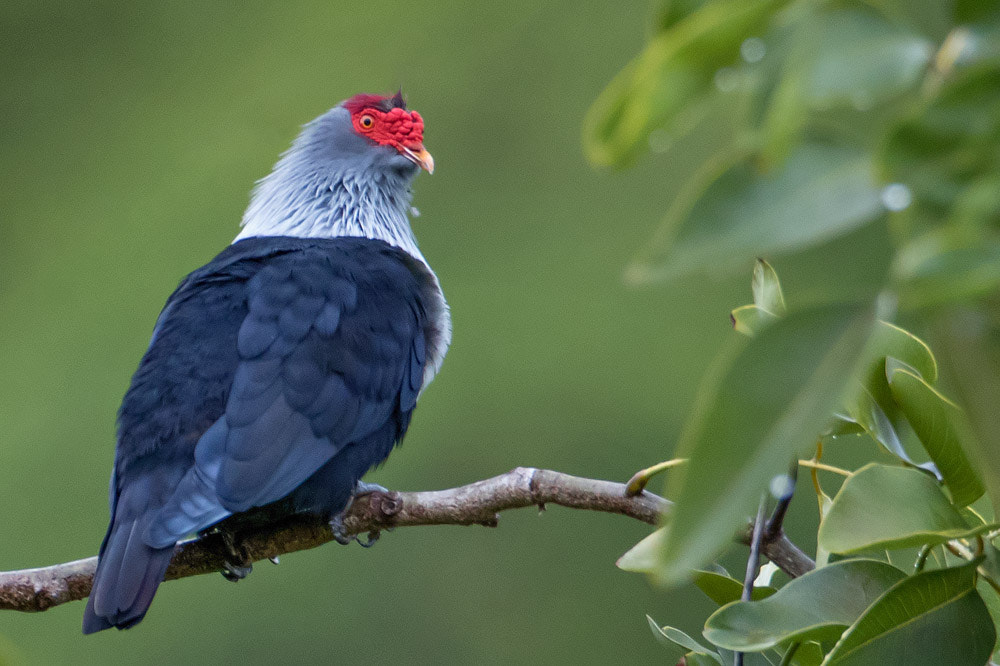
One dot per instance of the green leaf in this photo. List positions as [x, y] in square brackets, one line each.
[872, 407]
[723, 589]
[643, 556]
[969, 344]
[881, 507]
[672, 11]
[822, 554]
[851, 267]
[889, 345]
[841, 425]
[786, 112]
[702, 659]
[765, 401]
[933, 417]
[860, 59]
[978, 205]
[820, 192]
[818, 606]
[678, 641]
[837, 58]
[666, 84]
[768, 301]
[947, 266]
[749, 319]
[933, 618]
[866, 412]
[891, 341]
[808, 654]
[992, 600]
[767, 289]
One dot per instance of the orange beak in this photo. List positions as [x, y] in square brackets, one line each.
[420, 157]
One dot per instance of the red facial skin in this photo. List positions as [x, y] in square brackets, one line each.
[397, 127]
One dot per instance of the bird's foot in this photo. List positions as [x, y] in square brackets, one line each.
[234, 573]
[362, 488]
[340, 534]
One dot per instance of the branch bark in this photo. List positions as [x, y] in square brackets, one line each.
[260, 537]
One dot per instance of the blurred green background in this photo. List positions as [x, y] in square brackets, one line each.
[131, 136]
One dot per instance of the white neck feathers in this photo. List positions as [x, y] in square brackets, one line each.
[292, 201]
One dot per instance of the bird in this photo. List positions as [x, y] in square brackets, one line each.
[290, 364]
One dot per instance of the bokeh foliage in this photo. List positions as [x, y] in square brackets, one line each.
[866, 134]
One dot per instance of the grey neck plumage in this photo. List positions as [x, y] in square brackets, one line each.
[309, 201]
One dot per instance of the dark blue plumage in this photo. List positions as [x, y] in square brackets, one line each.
[283, 365]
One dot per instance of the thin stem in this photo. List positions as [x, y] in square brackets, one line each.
[959, 549]
[814, 474]
[753, 562]
[944, 60]
[778, 516]
[824, 467]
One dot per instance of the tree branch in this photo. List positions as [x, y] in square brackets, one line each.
[259, 537]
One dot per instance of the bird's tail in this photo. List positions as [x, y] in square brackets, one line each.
[128, 573]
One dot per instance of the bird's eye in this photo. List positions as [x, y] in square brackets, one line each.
[366, 122]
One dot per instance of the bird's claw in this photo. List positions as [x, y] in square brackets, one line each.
[363, 488]
[339, 534]
[233, 573]
[369, 540]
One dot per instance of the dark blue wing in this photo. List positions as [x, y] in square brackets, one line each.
[331, 348]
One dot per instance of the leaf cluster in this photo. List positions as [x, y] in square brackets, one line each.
[863, 138]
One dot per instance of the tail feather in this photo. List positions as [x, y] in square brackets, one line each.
[128, 573]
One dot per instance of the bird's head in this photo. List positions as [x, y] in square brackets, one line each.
[369, 132]
[384, 121]
[348, 173]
